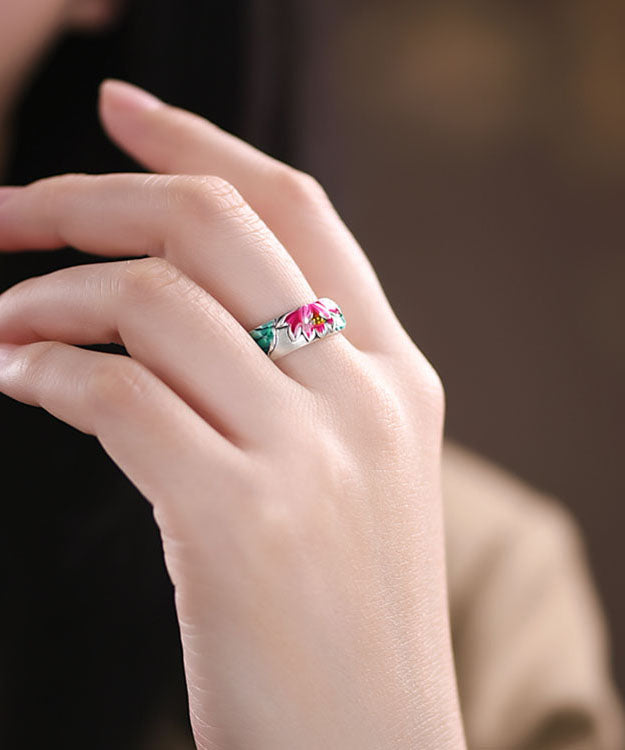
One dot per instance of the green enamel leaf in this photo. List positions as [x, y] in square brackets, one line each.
[264, 335]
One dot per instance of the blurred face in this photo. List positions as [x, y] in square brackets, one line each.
[27, 27]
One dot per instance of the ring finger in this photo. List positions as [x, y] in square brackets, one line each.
[166, 322]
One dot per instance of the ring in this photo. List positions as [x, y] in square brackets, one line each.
[298, 327]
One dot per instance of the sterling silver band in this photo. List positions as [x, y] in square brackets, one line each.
[299, 327]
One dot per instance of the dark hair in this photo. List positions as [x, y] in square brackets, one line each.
[91, 649]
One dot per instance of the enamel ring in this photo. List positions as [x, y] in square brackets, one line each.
[298, 327]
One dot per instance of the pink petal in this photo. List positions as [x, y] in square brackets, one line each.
[320, 309]
[308, 329]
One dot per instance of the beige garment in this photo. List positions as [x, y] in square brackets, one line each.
[529, 635]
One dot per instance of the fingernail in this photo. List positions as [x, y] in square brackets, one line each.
[6, 350]
[7, 192]
[128, 97]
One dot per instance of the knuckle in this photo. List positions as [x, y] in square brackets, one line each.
[433, 389]
[429, 392]
[204, 195]
[282, 531]
[51, 191]
[274, 522]
[142, 279]
[300, 188]
[381, 407]
[287, 519]
[389, 408]
[116, 382]
[36, 358]
[263, 520]
[60, 182]
[419, 380]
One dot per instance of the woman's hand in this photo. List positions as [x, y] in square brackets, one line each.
[298, 501]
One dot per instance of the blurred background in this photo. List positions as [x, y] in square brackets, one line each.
[477, 151]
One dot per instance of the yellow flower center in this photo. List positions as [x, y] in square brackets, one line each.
[318, 320]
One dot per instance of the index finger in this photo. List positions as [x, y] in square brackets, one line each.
[168, 139]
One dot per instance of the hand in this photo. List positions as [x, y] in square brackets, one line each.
[298, 501]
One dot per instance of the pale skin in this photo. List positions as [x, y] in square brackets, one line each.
[298, 501]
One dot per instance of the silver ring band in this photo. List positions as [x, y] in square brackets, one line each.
[299, 327]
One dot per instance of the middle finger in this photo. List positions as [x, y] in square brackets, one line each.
[200, 224]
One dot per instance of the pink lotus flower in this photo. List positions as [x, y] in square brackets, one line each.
[310, 320]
